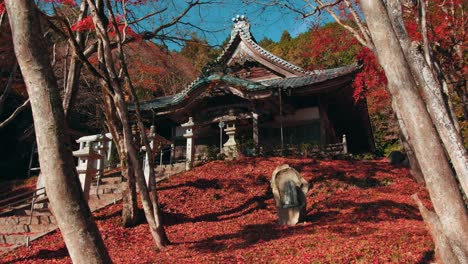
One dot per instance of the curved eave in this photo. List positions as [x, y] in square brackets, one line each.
[315, 78]
[196, 88]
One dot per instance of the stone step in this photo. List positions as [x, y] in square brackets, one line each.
[36, 220]
[105, 189]
[25, 228]
[16, 239]
[4, 248]
[102, 200]
[36, 212]
[113, 180]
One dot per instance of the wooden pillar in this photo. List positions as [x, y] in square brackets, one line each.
[281, 119]
[323, 123]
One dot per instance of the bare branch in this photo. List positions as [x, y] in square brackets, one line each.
[2, 18]
[341, 23]
[146, 16]
[318, 9]
[78, 52]
[364, 30]
[14, 114]
[8, 86]
[148, 35]
[54, 55]
[423, 27]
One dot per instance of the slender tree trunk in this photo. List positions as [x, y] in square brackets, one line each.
[74, 70]
[443, 249]
[426, 77]
[72, 83]
[162, 237]
[415, 169]
[437, 172]
[73, 215]
[113, 85]
[130, 211]
[133, 156]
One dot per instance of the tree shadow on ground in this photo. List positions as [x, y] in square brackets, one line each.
[248, 236]
[45, 254]
[104, 217]
[373, 212]
[249, 206]
[202, 184]
[428, 257]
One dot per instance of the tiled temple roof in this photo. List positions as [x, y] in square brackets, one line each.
[241, 31]
[317, 77]
[175, 99]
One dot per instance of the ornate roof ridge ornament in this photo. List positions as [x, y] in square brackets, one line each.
[241, 24]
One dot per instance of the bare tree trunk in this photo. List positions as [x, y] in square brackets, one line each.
[73, 215]
[443, 249]
[113, 85]
[130, 211]
[72, 83]
[162, 237]
[440, 180]
[415, 169]
[74, 71]
[426, 77]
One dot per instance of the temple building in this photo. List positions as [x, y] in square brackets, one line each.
[249, 94]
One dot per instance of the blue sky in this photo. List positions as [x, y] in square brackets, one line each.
[264, 23]
[216, 18]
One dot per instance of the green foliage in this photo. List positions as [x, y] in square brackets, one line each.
[309, 147]
[212, 152]
[365, 156]
[246, 146]
[386, 132]
[198, 52]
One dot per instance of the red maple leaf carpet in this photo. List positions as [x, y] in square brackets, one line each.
[223, 212]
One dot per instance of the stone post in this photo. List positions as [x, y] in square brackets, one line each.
[172, 153]
[100, 146]
[146, 158]
[190, 148]
[86, 158]
[230, 147]
[109, 161]
[345, 145]
[255, 129]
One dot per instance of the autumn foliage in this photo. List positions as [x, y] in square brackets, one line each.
[223, 212]
[2, 8]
